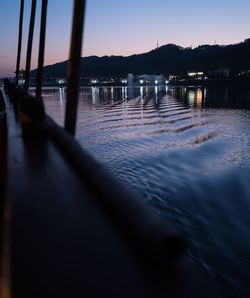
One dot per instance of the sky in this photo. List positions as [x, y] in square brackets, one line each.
[116, 27]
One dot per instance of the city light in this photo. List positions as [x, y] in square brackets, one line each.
[194, 74]
[61, 81]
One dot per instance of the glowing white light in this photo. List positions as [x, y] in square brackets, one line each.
[141, 81]
[156, 82]
[61, 81]
[193, 74]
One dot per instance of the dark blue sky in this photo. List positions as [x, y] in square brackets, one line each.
[115, 27]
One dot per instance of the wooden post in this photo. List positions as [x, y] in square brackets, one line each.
[19, 41]
[41, 49]
[74, 66]
[29, 47]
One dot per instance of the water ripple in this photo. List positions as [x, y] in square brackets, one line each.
[191, 163]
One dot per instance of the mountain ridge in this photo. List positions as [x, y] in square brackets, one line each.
[167, 59]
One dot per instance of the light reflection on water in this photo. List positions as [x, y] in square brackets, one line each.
[186, 151]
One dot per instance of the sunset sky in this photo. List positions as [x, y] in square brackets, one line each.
[115, 27]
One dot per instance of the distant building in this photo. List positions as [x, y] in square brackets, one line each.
[173, 77]
[146, 79]
[219, 73]
[195, 74]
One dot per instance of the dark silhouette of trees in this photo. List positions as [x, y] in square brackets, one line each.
[168, 59]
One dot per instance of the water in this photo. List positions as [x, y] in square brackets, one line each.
[186, 152]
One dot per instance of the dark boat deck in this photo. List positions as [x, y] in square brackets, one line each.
[64, 243]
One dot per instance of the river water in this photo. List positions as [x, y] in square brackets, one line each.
[186, 152]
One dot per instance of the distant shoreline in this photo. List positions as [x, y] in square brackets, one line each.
[234, 82]
[212, 82]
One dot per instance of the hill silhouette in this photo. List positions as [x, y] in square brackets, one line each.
[167, 59]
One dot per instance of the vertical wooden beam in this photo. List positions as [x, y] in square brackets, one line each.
[74, 66]
[29, 47]
[19, 41]
[39, 79]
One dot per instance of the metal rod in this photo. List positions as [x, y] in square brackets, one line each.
[74, 66]
[29, 47]
[41, 49]
[19, 41]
